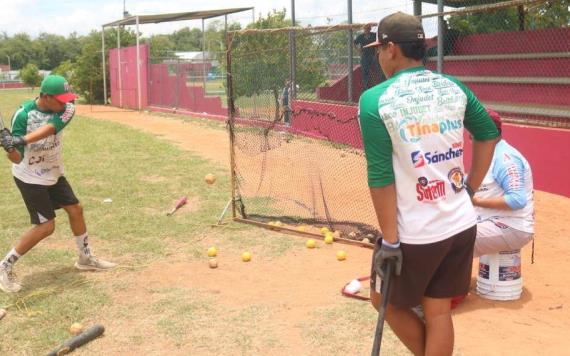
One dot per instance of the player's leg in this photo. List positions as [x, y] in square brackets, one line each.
[439, 326]
[63, 196]
[42, 216]
[404, 323]
[452, 278]
[493, 237]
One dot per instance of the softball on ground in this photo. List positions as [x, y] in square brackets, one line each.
[341, 255]
[212, 252]
[213, 263]
[329, 238]
[278, 223]
[246, 256]
[366, 240]
[310, 243]
[324, 230]
[75, 328]
[301, 228]
[210, 178]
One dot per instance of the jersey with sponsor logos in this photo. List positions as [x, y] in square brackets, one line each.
[42, 161]
[412, 129]
[509, 176]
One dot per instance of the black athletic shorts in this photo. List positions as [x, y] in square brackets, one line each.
[438, 270]
[43, 200]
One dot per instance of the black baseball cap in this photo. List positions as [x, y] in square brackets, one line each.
[398, 27]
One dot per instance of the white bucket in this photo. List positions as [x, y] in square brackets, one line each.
[500, 276]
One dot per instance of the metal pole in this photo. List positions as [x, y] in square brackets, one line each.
[293, 54]
[9, 65]
[119, 66]
[350, 51]
[138, 68]
[104, 66]
[203, 57]
[231, 113]
[440, 37]
[417, 7]
[253, 15]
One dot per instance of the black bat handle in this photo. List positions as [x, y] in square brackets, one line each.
[382, 310]
[71, 344]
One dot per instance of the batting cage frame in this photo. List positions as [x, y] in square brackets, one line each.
[296, 157]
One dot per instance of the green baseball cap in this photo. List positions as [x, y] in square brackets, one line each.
[57, 86]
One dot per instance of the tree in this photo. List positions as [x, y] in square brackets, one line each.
[88, 76]
[261, 60]
[31, 75]
[161, 47]
[67, 70]
[550, 14]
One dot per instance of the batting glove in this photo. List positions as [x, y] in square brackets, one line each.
[388, 253]
[6, 140]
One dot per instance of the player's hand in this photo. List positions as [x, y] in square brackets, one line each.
[18, 141]
[6, 140]
[388, 253]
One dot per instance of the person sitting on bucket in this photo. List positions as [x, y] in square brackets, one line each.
[504, 202]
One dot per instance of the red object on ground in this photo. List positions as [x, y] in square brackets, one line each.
[455, 301]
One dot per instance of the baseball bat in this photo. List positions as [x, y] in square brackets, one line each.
[382, 310]
[71, 344]
[179, 204]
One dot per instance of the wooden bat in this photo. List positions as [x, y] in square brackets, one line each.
[179, 204]
[71, 344]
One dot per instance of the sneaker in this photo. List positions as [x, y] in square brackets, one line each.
[93, 263]
[8, 282]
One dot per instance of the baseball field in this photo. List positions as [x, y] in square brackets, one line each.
[129, 168]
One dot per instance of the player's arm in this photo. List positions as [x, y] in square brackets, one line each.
[378, 149]
[484, 132]
[53, 126]
[510, 176]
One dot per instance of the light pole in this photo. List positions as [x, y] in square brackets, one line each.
[9, 66]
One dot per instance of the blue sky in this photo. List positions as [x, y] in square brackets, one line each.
[82, 16]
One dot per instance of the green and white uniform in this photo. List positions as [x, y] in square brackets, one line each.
[42, 161]
[412, 129]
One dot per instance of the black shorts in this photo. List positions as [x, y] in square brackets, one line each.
[438, 270]
[43, 200]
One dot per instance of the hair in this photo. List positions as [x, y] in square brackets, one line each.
[414, 50]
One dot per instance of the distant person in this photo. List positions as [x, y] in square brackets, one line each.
[285, 102]
[412, 130]
[368, 60]
[35, 148]
[504, 202]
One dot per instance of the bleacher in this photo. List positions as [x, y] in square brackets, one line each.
[522, 74]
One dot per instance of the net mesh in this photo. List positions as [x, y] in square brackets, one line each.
[297, 150]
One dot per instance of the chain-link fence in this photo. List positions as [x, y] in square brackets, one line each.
[296, 145]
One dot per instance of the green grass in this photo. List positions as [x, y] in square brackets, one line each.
[144, 176]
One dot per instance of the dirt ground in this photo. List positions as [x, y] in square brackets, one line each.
[539, 322]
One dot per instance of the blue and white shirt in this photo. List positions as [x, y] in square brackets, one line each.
[509, 176]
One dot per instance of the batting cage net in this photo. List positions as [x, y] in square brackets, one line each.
[293, 94]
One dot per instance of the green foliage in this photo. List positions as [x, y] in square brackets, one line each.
[260, 61]
[88, 76]
[161, 46]
[67, 70]
[31, 75]
[550, 14]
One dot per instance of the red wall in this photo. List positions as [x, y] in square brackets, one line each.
[532, 41]
[172, 91]
[129, 77]
[11, 85]
[547, 150]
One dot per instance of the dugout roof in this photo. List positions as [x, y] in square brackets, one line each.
[463, 3]
[178, 16]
